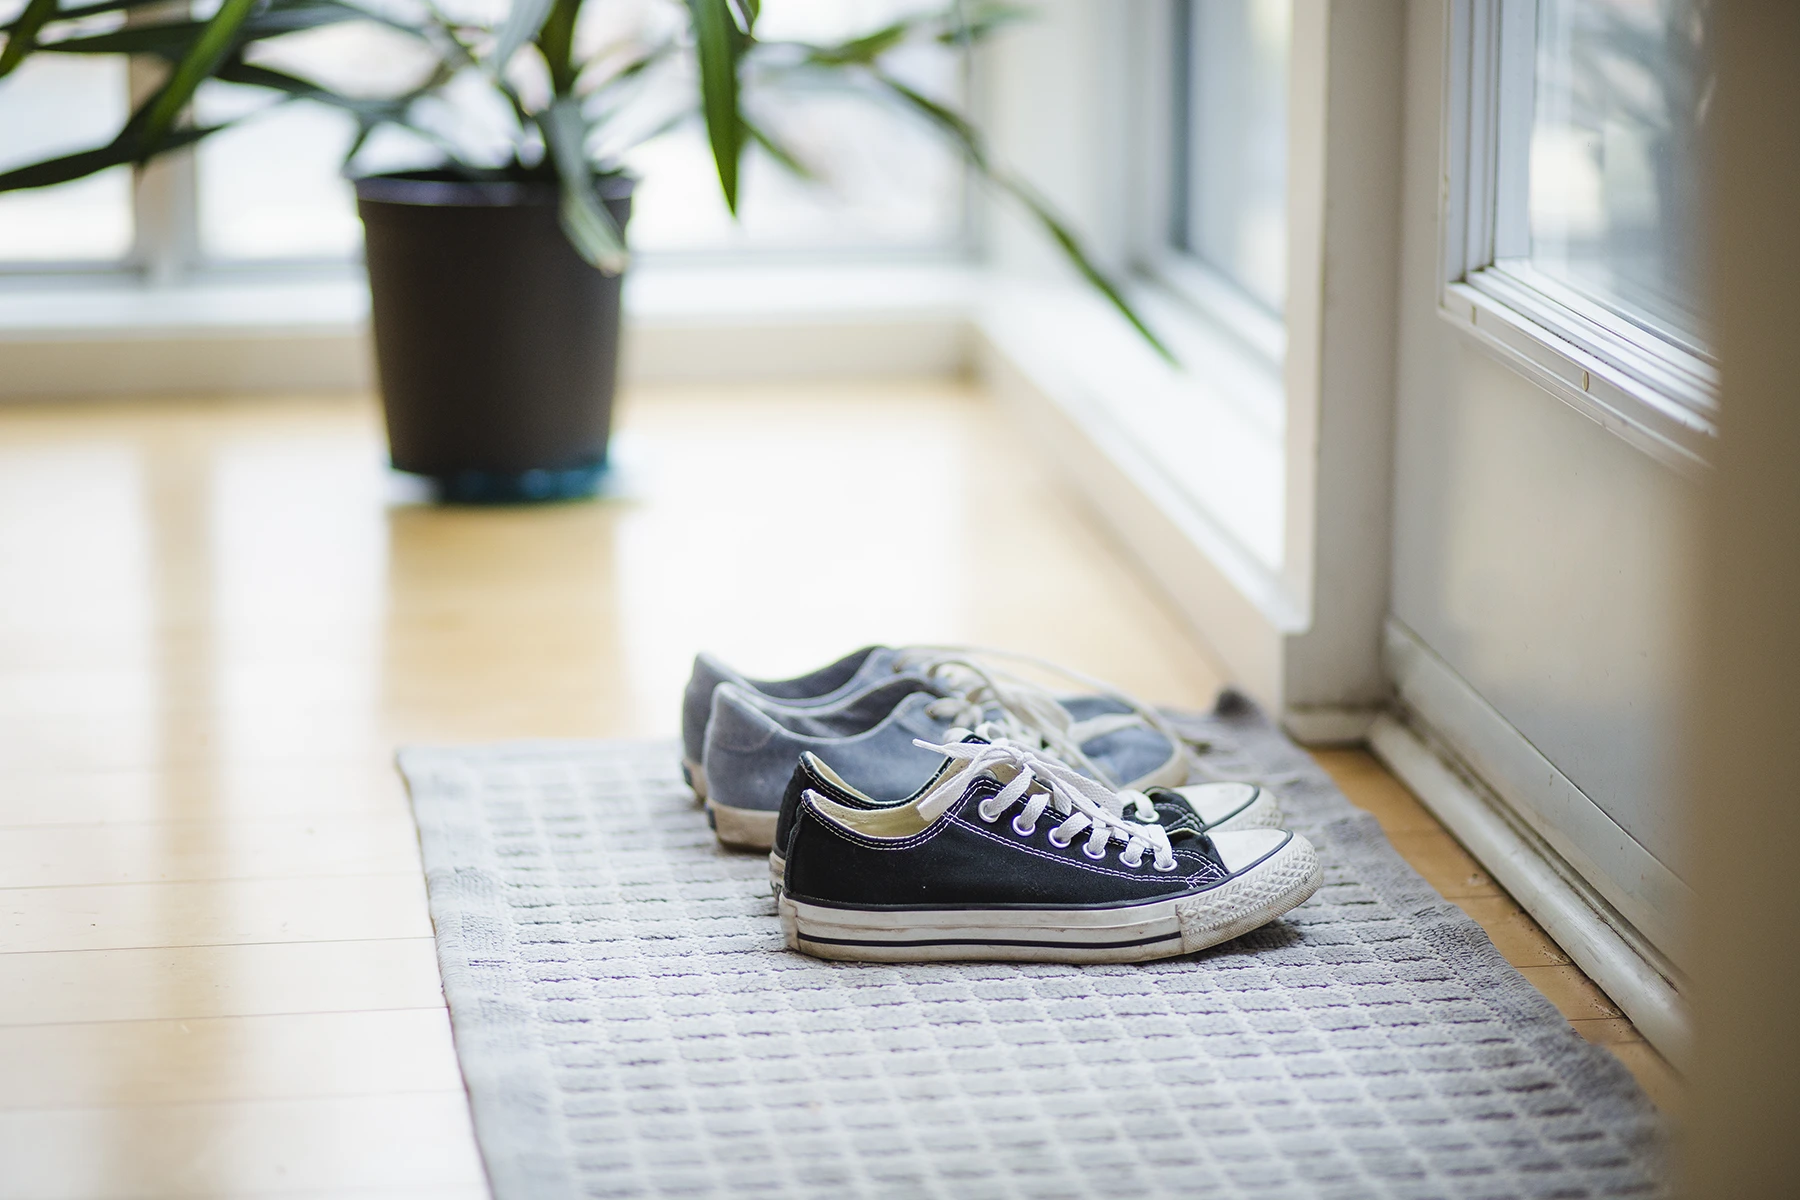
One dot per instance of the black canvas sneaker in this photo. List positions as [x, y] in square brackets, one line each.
[1192, 809]
[1013, 857]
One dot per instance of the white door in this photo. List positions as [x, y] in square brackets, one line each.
[1553, 414]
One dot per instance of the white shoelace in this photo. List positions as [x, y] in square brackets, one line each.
[1041, 783]
[1027, 712]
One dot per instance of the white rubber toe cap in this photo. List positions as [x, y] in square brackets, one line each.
[1242, 848]
[1232, 805]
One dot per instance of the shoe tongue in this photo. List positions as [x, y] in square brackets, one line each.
[949, 789]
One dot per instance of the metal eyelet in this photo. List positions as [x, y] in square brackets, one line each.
[1023, 830]
[1158, 866]
[982, 812]
[1059, 843]
[1133, 863]
[1087, 848]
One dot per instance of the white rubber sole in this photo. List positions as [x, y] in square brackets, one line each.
[696, 777]
[1138, 933]
[777, 871]
[743, 828]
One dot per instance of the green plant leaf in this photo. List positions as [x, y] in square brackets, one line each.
[166, 41]
[585, 221]
[86, 10]
[293, 87]
[973, 149]
[718, 44]
[780, 153]
[21, 37]
[208, 51]
[972, 22]
[117, 153]
[863, 50]
[556, 42]
[523, 20]
[1076, 254]
[172, 39]
[947, 120]
[626, 74]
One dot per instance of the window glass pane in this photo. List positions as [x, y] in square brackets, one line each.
[55, 105]
[1621, 92]
[1233, 202]
[270, 188]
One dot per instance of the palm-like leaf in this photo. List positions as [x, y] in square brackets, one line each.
[585, 220]
[975, 152]
[718, 44]
[21, 35]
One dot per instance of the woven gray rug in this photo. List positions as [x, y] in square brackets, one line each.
[629, 1023]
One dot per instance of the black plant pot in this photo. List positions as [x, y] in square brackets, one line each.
[498, 347]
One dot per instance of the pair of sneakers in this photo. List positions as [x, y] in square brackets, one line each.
[887, 839]
[742, 737]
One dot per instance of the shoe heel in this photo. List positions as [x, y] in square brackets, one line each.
[790, 926]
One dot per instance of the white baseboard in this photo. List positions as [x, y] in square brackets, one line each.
[1329, 726]
[1449, 711]
[1580, 921]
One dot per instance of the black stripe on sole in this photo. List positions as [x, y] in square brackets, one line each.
[1146, 941]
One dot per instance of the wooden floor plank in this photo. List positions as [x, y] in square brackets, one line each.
[1653, 1073]
[201, 792]
[1573, 993]
[111, 1064]
[128, 916]
[1445, 865]
[242, 1148]
[218, 981]
[206, 850]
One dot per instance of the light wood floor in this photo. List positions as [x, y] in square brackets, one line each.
[218, 620]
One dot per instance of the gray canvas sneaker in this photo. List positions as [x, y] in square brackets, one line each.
[1106, 733]
[830, 685]
[751, 748]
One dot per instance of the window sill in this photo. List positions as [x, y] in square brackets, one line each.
[113, 336]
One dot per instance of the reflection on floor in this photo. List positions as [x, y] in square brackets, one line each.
[216, 975]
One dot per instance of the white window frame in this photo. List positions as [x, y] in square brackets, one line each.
[1657, 393]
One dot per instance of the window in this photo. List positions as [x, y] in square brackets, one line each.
[1224, 241]
[270, 190]
[1572, 236]
[1231, 205]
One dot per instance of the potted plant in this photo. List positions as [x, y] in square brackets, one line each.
[495, 274]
